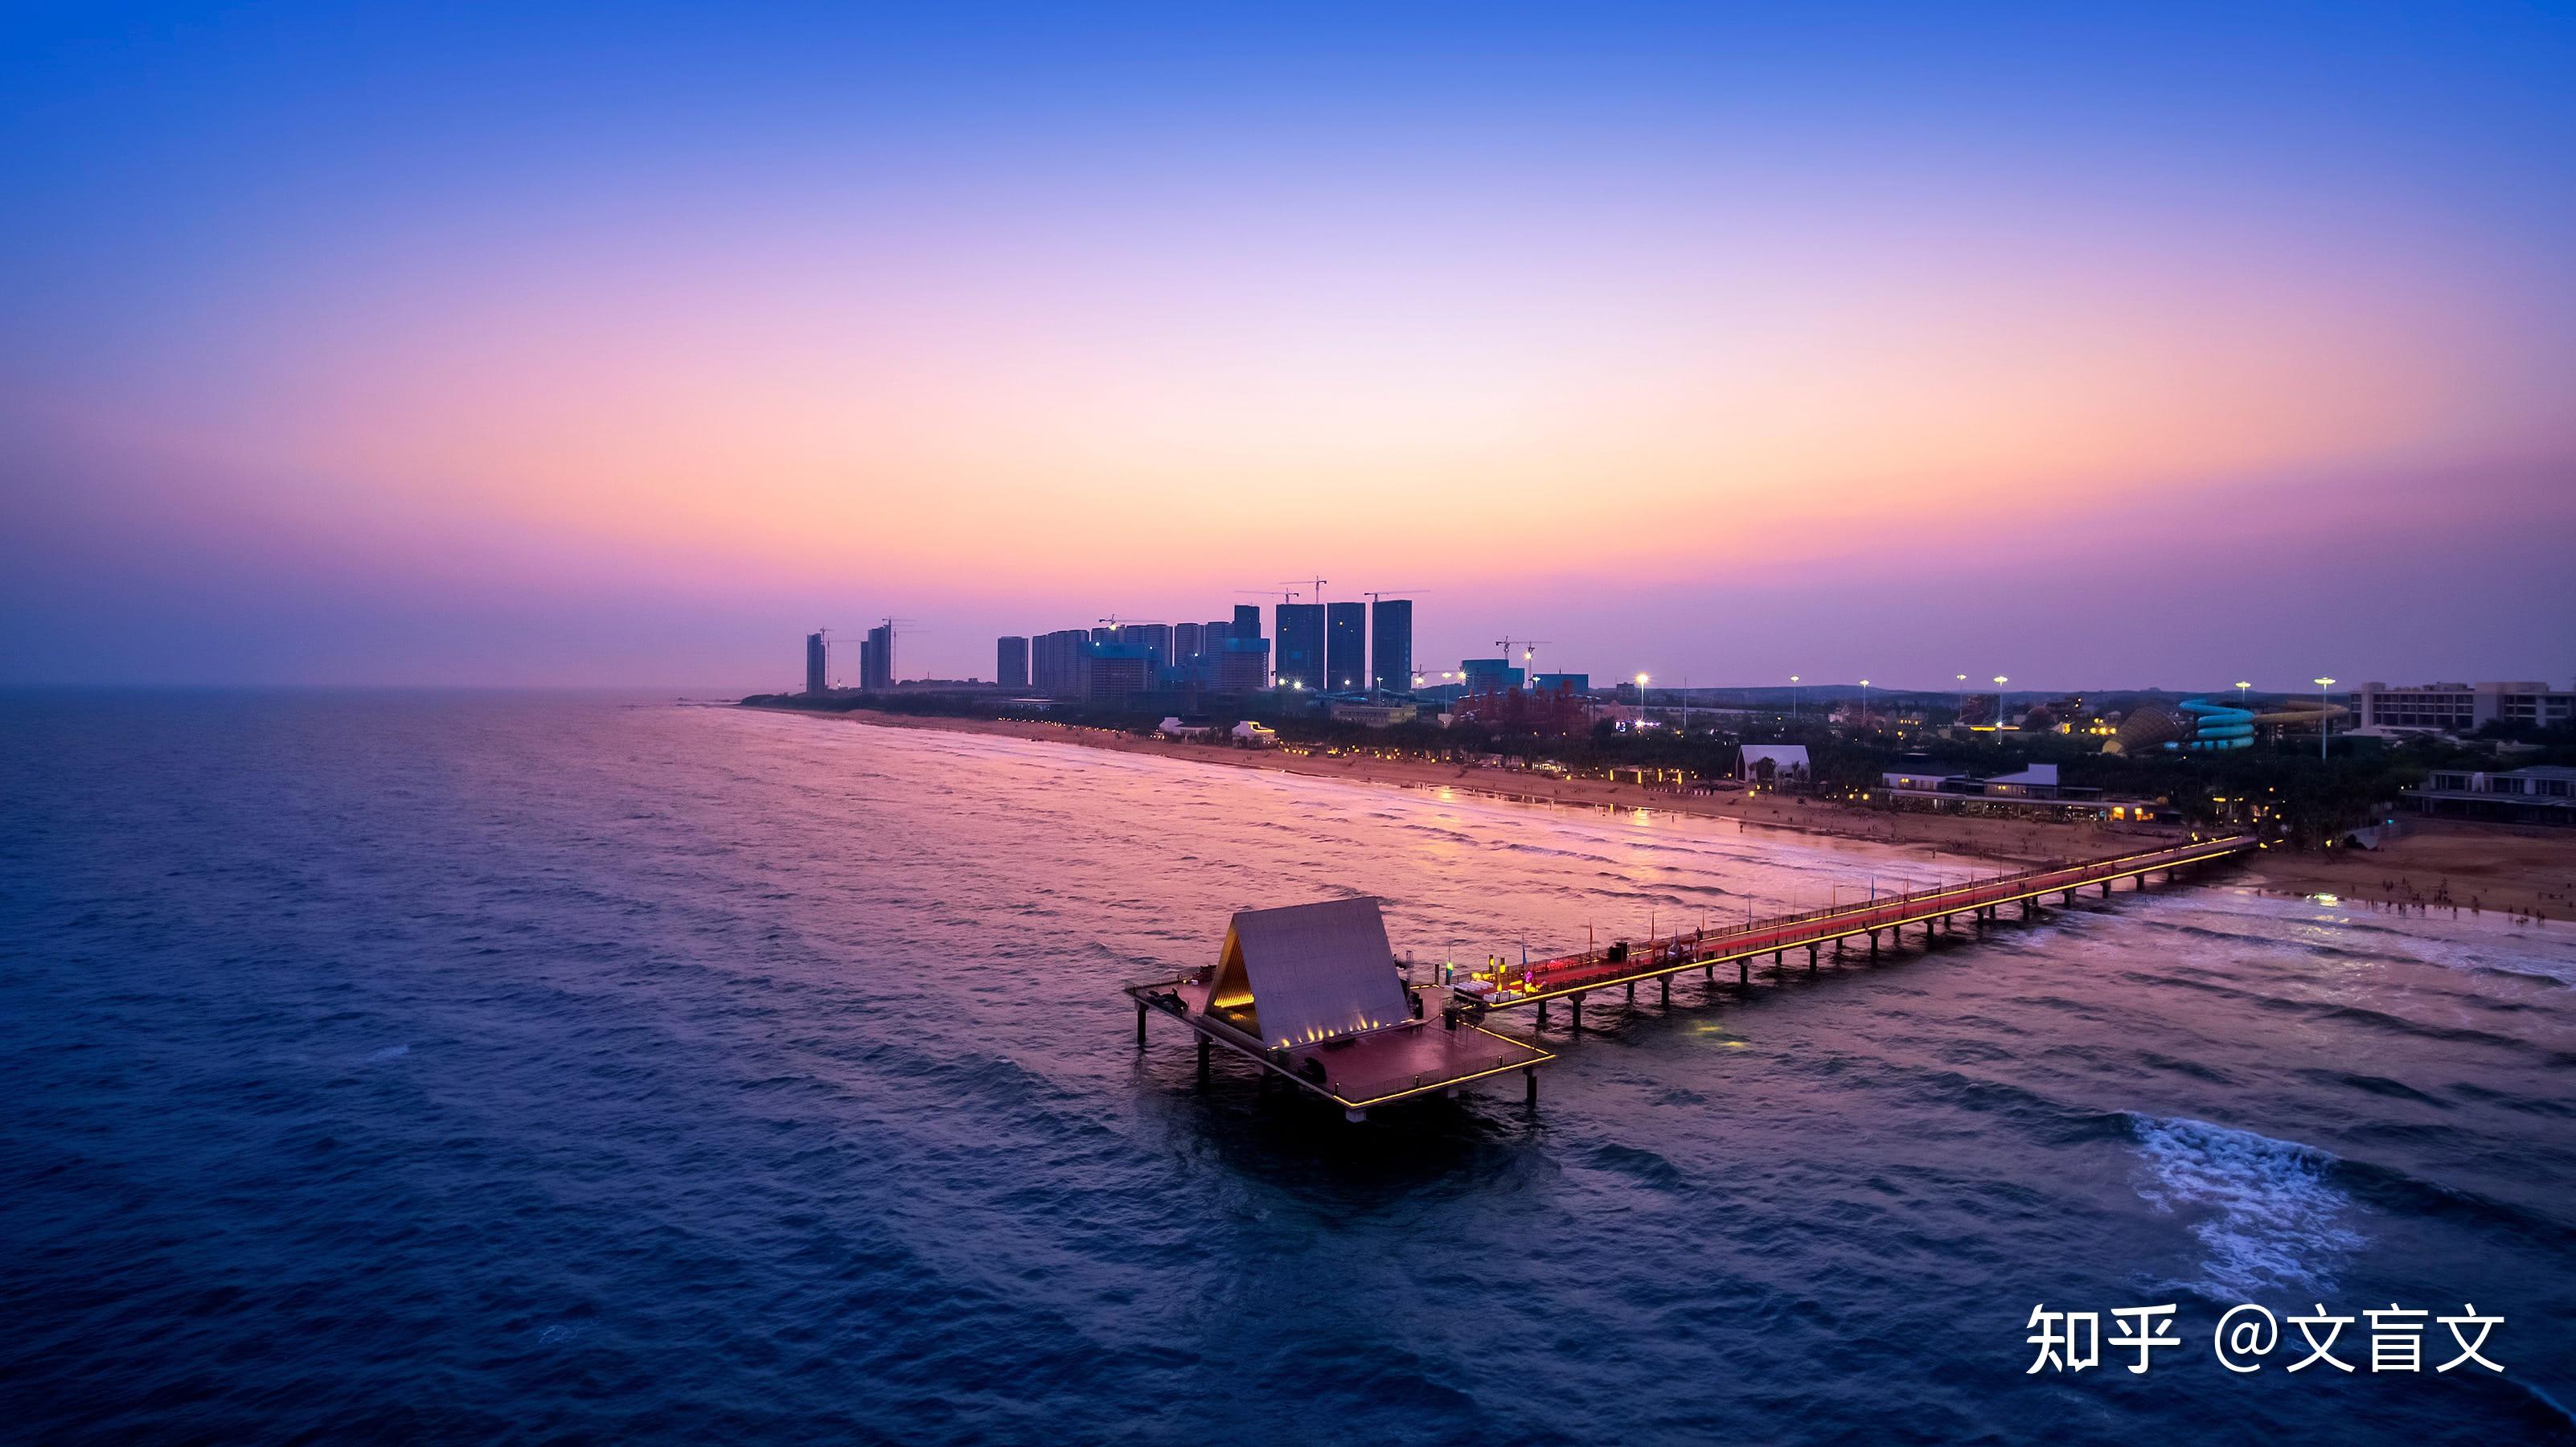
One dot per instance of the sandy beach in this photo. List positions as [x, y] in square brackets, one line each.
[2438, 864]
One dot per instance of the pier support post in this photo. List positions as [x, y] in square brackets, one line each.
[1578, 1015]
[1811, 959]
[2106, 889]
[1668, 992]
[1632, 992]
[1744, 972]
[1873, 944]
[1542, 1014]
[1140, 1024]
[1529, 1077]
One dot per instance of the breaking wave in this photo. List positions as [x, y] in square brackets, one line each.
[2264, 1211]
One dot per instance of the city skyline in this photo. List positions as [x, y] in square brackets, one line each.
[2111, 352]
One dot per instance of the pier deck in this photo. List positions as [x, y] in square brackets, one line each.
[1574, 976]
[1356, 1072]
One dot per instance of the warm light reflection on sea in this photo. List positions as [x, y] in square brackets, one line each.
[463, 1066]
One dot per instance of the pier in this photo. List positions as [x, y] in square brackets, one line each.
[1878, 922]
[1311, 995]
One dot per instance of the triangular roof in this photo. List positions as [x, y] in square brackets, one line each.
[1306, 972]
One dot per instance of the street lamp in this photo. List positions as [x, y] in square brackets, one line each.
[1795, 694]
[2000, 681]
[1864, 703]
[1963, 699]
[1641, 700]
[2322, 685]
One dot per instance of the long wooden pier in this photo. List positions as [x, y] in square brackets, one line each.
[1572, 977]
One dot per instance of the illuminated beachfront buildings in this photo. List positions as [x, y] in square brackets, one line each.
[2460, 708]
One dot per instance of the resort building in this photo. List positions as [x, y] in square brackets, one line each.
[2460, 708]
[2542, 794]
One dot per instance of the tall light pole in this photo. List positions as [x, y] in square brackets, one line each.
[2000, 681]
[2241, 686]
[1641, 702]
[1794, 694]
[1963, 701]
[1864, 703]
[2322, 685]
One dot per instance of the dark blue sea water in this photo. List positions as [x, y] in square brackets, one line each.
[446, 1067]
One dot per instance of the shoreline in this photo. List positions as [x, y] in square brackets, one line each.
[2009, 841]
[2437, 865]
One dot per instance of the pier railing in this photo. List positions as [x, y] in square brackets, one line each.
[1838, 921]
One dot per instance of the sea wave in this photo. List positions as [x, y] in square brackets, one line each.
[2265, 1212]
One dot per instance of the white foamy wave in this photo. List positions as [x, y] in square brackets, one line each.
[2267, 1218]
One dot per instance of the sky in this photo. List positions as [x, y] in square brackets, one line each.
[623, 345]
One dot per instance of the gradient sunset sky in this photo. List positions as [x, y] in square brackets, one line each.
[622, 345]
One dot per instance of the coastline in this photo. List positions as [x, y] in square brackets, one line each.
[2006, 841]
[2438, 864]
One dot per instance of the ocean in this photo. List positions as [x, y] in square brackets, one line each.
[472, 1067]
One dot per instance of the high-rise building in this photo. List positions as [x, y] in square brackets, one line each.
[876, 659]
[1154, 638]
[1346, 647]
[1011, 662]
[1189, 640]
[1056, 666]
[818, 660]
[1111, 671]
[1300, 659]
[1240, 665]
[1391, 649]
[1247, 629]
[1490, 675]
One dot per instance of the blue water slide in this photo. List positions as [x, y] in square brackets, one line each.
[2216, 727]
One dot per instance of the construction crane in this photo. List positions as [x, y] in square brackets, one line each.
[1317, 595]
[1376, 593]
[1529, 650]
[1286, 595]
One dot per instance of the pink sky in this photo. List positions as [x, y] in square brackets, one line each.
[1692, 408]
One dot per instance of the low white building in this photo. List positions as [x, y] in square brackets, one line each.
[1175, 728]
[1254, 735]
[1772, 764]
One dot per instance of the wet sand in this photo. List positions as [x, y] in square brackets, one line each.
[2444, 866]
